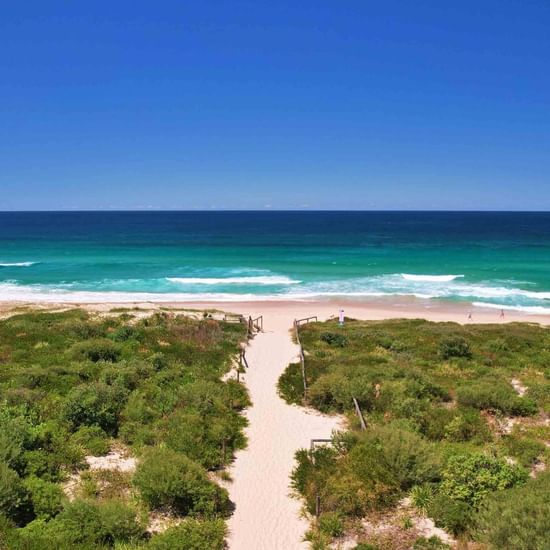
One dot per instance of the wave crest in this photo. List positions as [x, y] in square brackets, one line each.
[255, 280]
[430, 278]
[17, 264]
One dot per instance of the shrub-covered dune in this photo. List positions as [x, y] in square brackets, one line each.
[456, 420]
[73, 385]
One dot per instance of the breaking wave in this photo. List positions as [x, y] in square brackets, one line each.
[430, 278]
[271, 280]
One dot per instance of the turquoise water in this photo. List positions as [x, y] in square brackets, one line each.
[496, 259]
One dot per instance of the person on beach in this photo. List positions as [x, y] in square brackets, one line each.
[502, 314]
[341, 317]
[470, 316]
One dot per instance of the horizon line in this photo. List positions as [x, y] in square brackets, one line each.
[264, 210]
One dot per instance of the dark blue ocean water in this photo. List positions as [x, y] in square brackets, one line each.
[501, 259]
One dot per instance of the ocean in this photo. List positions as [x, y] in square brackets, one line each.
[495, 259]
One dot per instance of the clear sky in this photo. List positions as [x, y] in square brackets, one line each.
[423, 104]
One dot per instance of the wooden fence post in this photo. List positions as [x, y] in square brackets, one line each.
[359, 414]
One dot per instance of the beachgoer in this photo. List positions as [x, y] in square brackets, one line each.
[341, 317]
[470, 316]
[502, 314]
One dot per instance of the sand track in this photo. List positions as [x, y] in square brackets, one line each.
[266, 516]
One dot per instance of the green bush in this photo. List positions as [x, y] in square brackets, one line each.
[159, 361]
[97, 350]
[432, 543]
[470, 478]
[14, 437]
[80, 523]
[330, 523]
[167, 479]
[495, 396]
[370, 474]
[526, 450]
[422, 496]
[123, 333]
[14, 503]
[213, 445]
[517, 518]
[46, 497]
[192, 535]
[120, 522]
[95, 404]
[468, 425]
[453, 515]
[92, 439]
[334, 339]
[407, 455]
[454, 346]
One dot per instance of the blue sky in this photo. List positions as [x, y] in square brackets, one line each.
[252, 105]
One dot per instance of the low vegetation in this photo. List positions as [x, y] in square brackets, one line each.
[74, 386]
[447, 431]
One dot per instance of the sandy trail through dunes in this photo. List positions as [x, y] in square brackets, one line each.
[266, 516]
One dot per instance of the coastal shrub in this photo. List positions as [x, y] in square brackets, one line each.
[422, 496]
[212, 444]
[454, 346]
[330, 523]
[334, 339]
[95, 404]
[8, 532]
[14, 435]
[453, 515]
[290, 385]
[469, 478]
[312, 468]
[330, 392]
[92, 439]
[167, 479]
[517, 518]
[14, 502]
[159, 361]
[97, 350]
[46, 498]
[192, 535]
[409, 458]
[125, 332]
[80, 523]
[495, 396]
[125, 374]
[370, 474]
[120, 522]
[430, 543]
[467, 425]
[526, 450]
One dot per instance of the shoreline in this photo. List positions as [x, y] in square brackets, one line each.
[372, 309]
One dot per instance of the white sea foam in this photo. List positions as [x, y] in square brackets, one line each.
[378, 286]
[17, 264]
[430, 278]
[255, 280]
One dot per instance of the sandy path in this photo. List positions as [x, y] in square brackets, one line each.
[266, 517]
